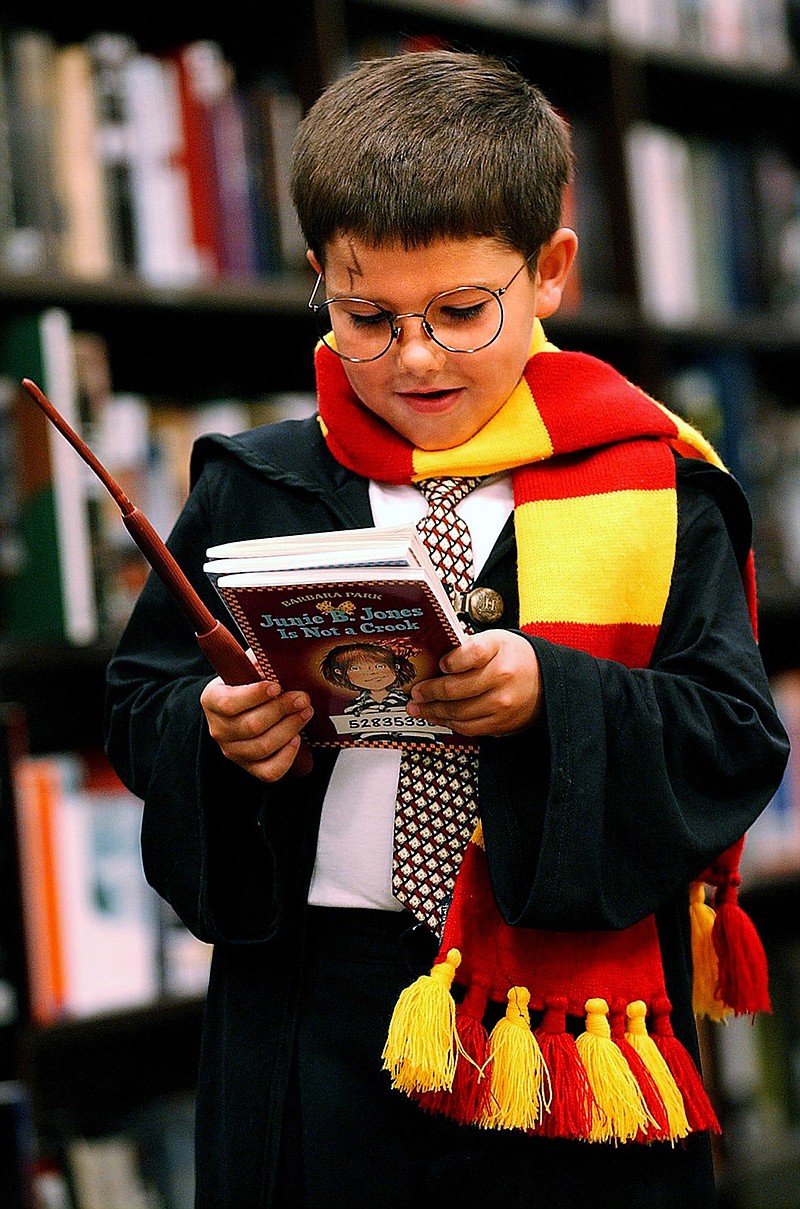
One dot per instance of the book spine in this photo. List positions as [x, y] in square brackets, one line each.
[274, 113]
[160, 191]
[77, 169]
[35, 789]
[7, 223]
[235, 185]
[51, 594]
[201, 69]
[658, 176]
[29, 67]
[109, 53]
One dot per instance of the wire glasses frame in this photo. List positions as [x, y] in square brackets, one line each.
[377, 321]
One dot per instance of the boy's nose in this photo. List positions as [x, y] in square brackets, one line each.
[414, 345]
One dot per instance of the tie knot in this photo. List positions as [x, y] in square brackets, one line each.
[447, 491]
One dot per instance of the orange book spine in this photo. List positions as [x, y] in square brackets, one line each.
[36, 787]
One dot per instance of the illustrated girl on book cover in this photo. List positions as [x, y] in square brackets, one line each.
[377, 673]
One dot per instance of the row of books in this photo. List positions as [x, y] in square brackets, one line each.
[734, 31]
[716, 225]
[97, 938]
[751, 32]
[114, 160]
[68, 567]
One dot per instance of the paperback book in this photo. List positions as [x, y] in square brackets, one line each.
[353, 618]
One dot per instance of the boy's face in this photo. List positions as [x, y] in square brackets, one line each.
[434, 398]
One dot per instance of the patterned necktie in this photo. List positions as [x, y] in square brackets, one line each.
[436, 808]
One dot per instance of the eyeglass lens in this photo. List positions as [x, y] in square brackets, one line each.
[462, 320]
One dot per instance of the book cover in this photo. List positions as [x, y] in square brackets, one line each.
[355, 638]
[50, 594]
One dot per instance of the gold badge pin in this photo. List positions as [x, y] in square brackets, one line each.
[483, 605]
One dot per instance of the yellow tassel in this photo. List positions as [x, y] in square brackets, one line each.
[704, 958]
[477, 835]
[421, 1047]
[520, 1090]
[622, 1110]
[663, 1078]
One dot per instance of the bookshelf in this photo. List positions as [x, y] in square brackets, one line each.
[727, 353]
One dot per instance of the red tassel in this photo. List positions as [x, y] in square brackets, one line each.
[466, 1101]
[699, 1110]
[658, 1130]
[471, 1084]
[743, 975]
[573, 1103]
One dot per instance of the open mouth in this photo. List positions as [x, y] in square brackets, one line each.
[430, 400]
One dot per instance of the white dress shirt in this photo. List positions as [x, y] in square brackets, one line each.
[353, 866]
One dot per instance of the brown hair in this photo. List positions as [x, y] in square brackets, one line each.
[336, 664]
[427, 145]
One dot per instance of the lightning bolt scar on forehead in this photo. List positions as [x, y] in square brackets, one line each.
[354, 270]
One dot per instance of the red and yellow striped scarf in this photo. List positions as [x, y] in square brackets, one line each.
[591, 458]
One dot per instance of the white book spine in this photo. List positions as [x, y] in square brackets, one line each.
[70, 484]
[658, 175]
[160, 190]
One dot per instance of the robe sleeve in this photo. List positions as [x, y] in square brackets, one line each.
[633, 780]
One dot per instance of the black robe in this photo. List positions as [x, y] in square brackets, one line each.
[596, 816]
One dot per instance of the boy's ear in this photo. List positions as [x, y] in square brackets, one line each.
[552, 270]
[312, 260]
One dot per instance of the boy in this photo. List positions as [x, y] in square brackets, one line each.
[623, 726]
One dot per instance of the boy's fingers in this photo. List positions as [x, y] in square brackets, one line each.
[231, 700]
[476, 652]
[453, 688]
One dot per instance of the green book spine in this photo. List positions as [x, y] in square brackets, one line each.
[50, 594]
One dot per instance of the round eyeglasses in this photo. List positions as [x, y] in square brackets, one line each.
[463, 320]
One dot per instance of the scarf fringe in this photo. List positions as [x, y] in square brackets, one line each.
[615, 1082]
[730, 965]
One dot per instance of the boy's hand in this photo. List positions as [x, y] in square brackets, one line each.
[257, 726]
[491, 686]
